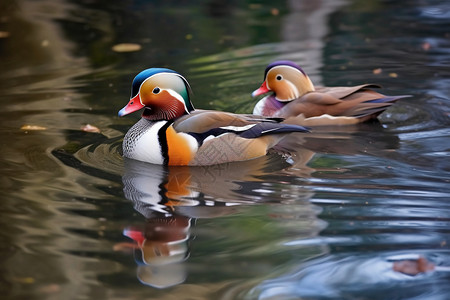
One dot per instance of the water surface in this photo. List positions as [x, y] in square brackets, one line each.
[80, 222]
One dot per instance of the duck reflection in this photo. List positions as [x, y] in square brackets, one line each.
[207, 191]
[160, 249]
[171, 199]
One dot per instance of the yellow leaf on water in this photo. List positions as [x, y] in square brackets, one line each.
[126, 47]
[33, 127]
[26, 280]
[393, 75]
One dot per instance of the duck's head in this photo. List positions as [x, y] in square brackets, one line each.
[163, 93]
[286, 79]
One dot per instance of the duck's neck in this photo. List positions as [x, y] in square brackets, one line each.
[167, 113]
[268, 106]
[304, 85]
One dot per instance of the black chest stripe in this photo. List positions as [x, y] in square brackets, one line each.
[162, 138]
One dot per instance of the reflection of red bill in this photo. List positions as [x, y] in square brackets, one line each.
[135, 235]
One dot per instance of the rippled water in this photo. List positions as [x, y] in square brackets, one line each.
[80, 222]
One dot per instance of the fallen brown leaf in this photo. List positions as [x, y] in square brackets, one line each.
[90, 128]
[126, 47]
[33, 127]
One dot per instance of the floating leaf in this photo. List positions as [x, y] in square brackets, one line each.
[4, 34]
[90, 128]
[377, 71]
[426, 46]
[26, 280]
[126, 47]
[33, 127]
[50, 288]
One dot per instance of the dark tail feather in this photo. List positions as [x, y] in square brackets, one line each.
[271, 128]
[388, 99]
[374, 107]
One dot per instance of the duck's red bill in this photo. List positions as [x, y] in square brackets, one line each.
[132, 106]
[262, 90]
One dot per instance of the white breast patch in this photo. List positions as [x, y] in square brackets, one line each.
[146, 147]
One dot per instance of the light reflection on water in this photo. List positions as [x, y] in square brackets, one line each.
[79, 220]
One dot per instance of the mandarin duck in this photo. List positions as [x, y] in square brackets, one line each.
[171, 132]
[296, 99]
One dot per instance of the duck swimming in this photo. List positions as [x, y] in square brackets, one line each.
[294, 96]
[172, 132]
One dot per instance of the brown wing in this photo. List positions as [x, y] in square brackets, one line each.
[341, 92]
[203, 120]
[310, 105]
[337, 101]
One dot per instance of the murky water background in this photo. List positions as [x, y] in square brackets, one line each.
[79, 222]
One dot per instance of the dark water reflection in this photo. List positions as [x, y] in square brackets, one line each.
[80, 222]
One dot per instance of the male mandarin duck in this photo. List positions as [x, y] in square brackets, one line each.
[295, 97]
[171, 132]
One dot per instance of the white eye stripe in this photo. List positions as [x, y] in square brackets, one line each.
[294, 90]
[178, 97]
[175, 95]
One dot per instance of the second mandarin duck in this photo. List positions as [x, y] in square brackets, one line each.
[294, 96]
[171, 132]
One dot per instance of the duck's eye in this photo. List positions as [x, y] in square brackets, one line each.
[279, 77]
[156, 90]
